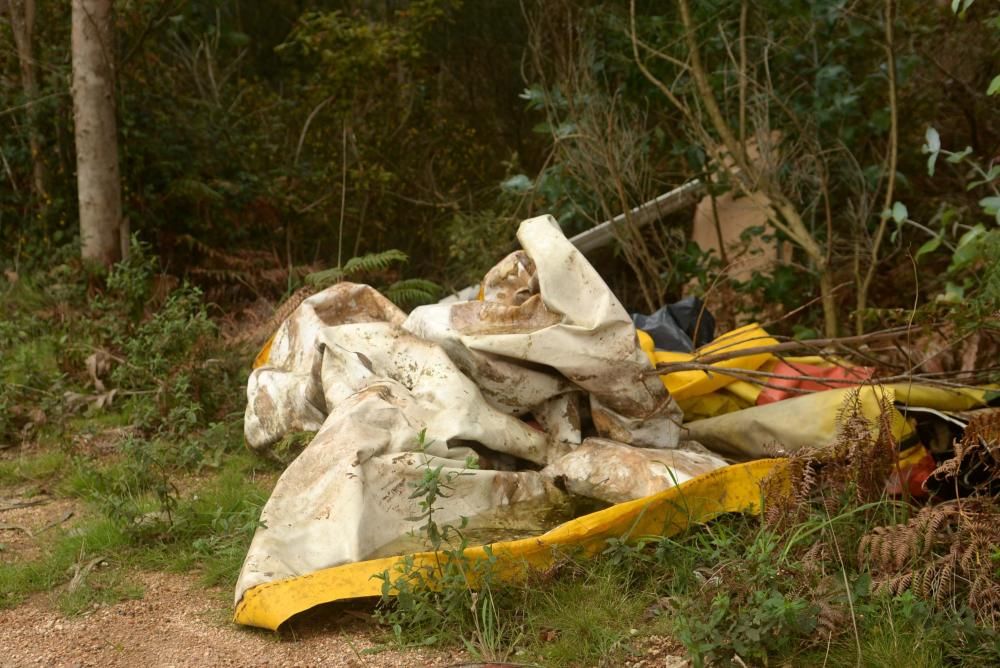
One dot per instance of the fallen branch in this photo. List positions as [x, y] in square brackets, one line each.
[17, 527]
[23, 504]
[813, 345]
[80, 573]
[754, 376]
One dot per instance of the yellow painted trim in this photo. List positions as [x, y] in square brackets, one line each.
[731, 489]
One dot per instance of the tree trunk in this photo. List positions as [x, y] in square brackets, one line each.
[22, 23]
[97, 179]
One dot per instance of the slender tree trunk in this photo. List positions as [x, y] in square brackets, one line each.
[22, 23]
[97, 178]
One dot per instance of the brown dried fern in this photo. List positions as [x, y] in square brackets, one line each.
[975, 467]
[855, 465]
[259, 333]
[944, 553]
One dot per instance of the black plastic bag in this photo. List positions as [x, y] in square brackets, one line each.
[673, 327]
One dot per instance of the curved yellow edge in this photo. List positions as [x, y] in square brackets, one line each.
[731, 489]
[265, 353]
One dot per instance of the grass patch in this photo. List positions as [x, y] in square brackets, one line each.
[110, 584]
[589, 618]
[73, 546]
[208, 532]
[735, 590]
[38, 467]
[212, 527]
[175, 490]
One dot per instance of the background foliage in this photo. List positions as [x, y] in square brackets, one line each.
[303, 133]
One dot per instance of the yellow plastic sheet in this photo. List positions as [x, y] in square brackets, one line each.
[790, 425]
[686, 384]
[945, 398]
[265, 353]
[715, 403]
[731, 489]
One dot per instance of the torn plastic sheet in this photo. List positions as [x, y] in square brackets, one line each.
[392, 398]
[730, 489]
[832, 375]
[573, 326]
[789, 425]
[811, 419]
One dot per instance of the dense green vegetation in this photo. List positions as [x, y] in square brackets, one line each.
[834, 571]
[263, 140]
[275, 144]
[134, 407]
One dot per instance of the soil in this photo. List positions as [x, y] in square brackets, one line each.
[179, 623]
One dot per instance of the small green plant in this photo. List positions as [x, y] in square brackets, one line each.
[65, 557]
[406, 292]
[971, 239]
[430, 604]
[736, 601]
[130, 281]
[33, 468]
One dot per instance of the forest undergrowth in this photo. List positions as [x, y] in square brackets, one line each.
[130, 403]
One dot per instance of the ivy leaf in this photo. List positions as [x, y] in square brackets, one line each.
[953, 294]
[991, 205]
[994, 88]
[899, 212]
[928, 247]
[959, 6]
[960, 156]
[517, 184]
[968, 250]
[991, 176]
[933, 147]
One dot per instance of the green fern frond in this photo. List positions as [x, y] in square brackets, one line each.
[193, 190]
[373, 262]
[322, 279]
[362, 264]
[413, 292]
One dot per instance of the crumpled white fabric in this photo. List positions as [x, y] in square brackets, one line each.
[613, 472]
[392, 397]
[572, 329]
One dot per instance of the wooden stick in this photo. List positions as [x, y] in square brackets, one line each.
[794, 345]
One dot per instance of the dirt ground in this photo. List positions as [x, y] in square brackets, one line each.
[179, 623]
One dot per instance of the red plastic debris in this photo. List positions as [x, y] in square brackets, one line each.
[833, 377]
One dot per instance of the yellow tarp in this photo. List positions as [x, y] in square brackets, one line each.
[945, 398]
[731, 489]
[791, 424]
[686, 384]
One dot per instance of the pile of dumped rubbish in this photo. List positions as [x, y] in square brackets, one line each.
[538, 398]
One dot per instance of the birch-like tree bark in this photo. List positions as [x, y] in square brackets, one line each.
[97, 177]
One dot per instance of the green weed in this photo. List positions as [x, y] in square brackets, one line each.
[64, 556]
[589, 618]
[32, 468]
[212, 526]
[428, 605]
[108, 585]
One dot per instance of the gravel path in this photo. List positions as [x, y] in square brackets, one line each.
[179, 623]
[176, 623]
